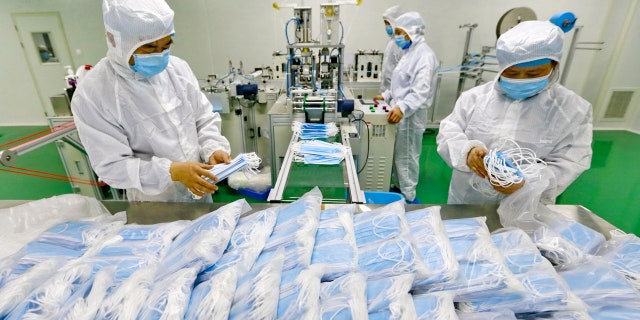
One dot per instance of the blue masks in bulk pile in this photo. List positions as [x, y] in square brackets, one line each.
[151, 64]
[606, 292]
[335, 245]
[482, 268]
[309, 131]
[545, 291]
[299, 294]
[344, 298]
[212, 298]
[622, 252]
[254, 297]
[244, 161]
[385, 244]
[246, 243]
[437, 305]
[384, 292]
[433, 246]
[204, 240]
[169, 297]
[295, 231]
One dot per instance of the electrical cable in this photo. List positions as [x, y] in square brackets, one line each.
[368, 136]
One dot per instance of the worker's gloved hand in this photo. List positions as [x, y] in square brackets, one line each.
[395, 115]
[475, 161]
[191, 175]
[378, 97]
[219, 157]
[510, 189]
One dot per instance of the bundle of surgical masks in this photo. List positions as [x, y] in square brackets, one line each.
[85, 302]
[295, 231]
[169, 297]
[436, 305]
[248, 162]
[482, 268]
[563, 240]
[622, 252]
[434, 247]
[545, 290]
[299, 295]
[255, 297]
[385, 245]
[204, 240]
[335, 250]
[607, 293]
[504, 314]
[389, 298]
[319, 152]
[344, 298]
[246, 243]
[309, 131]
[126, 300]
[212, 298]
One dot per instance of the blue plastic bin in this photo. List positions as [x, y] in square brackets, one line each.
[253, 194]
[380, 197]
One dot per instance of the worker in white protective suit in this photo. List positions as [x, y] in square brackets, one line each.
[524, 103]
[141, 116]
[392, 53]
[411, 93]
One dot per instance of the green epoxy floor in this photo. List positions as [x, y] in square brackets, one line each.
[611, 188]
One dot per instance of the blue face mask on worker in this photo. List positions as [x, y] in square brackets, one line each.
[389, 30]
[150, 64]
[403, 43]
[519, 89]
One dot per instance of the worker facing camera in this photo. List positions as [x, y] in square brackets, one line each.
[146, 125]
[524, 104]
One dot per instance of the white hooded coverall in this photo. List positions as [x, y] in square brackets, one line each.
[392, 53]
[412, 88]
[134, 127]
[556, 123]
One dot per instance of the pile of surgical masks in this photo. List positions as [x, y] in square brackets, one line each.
[298, 261]
[247, 162]
[308, 131]
[319, 152]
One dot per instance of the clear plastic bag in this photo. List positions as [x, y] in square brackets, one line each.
[344, 298]
[169, 297]
[212, 298]
[299, 294]
[622, 252]
[434, 247]
[436, 305]
[204, 240]
[335, 248]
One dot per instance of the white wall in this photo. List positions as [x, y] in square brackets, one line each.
[209, 33]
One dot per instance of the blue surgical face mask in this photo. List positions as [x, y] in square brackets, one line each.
[519, 89]
[150, 64]
[389, 30]
[403, 43]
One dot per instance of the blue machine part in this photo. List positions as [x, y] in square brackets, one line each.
[565, 20]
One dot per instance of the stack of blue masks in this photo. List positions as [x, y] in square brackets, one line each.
[580, 236]
[299, 294]
[384, 292]
[344, 298]
[595, 282]
[482, 268]
[204, 240]
[211, 299]
[246, 243]
[385, 244]
[169, 297]
[126, 300]
[320, 152]
[314, 130]
[433, 246]
[295, 231]
[254, 297]
[335, 245]
[48, 299]
[545, 291]
[436, 305]
[244, 161]
[622, 252]
[85, 302]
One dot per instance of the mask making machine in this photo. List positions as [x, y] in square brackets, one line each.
[314, 94]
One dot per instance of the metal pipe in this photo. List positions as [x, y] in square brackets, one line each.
[572, 50]
[8, 157]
